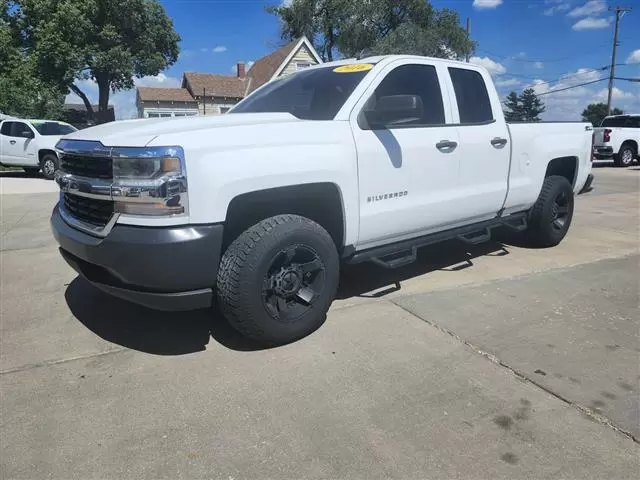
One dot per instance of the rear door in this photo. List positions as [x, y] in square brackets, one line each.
[484, 150]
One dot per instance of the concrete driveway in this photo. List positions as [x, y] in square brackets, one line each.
[487, 362]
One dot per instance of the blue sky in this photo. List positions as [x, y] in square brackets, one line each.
[547, 44]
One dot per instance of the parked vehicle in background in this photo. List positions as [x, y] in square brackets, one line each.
[618, 137]
[30, 144]
[350, 161]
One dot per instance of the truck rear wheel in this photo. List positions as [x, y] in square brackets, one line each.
[624, 158]
[550, 217]
[277, 280]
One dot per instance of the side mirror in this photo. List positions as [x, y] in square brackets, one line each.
[27, 134]
[395, 110]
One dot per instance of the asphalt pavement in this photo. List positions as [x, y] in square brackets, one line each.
[495, 361]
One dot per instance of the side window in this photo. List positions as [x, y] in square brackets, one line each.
[474, 105]
[19, 128]
[635, 122]
[420, 80]
[6, 128]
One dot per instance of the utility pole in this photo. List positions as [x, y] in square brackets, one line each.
[468, 35]
[620, 11]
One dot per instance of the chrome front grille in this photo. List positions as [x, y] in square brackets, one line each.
[89, 210]
[87, 166]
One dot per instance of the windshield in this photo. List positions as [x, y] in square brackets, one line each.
[314, 94]
[53, 128]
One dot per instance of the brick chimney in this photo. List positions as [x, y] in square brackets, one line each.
[241, 70]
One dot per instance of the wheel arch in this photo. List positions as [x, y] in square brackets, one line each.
[566, 167]
[320, 202]
[45, 151]
[633, 144]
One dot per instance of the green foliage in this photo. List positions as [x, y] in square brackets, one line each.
[512, 108]
[595, 113]
[108, 41]
[376, 26]
[525, 107]
[22, 92]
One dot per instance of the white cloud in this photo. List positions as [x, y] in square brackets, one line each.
[511, 82]
[494, 68]
[186, 54]
[590, 8]
[616, 94]
[482, 4]
[591, 23]
[634, 57]
[204, 50]
[558, 8]
[538, 65]
[569, 104]
[286, 3]
[220, 49]
[124, 102]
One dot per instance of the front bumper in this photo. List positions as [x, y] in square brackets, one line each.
[168, 268]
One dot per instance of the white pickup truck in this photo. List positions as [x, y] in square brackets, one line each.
[618, 137]
[30, 144]
[350, 161]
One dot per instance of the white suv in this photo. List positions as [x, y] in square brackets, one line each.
[30, 144]
[618, 137]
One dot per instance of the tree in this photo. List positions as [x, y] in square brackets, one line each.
[22, 92]
[595, 113]
[531, 106]
[512, 104]
[525, 107]
[107, 41]
[375, 26]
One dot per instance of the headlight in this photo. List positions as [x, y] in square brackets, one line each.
[149, 181]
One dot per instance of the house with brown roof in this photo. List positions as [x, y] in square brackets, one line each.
[211, 94]
[165, 102]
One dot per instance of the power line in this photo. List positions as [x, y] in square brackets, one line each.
[569, 88]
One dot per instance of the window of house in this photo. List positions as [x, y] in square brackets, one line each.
[474, 105]
[302, 65]
[420, 80]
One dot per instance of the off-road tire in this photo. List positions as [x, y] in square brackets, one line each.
[49, 171]
[625, 156]
[541, 230]
[245, 266]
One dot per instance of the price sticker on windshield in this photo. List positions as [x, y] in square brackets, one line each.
[354, 67]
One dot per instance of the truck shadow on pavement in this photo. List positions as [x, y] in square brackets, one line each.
[180, 333]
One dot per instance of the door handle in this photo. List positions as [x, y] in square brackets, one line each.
[12, 142]
[498, 142]
[446, 145]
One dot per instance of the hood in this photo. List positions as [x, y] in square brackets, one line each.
[140, 132]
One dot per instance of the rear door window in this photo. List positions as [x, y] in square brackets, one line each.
[621, 122]
[472, 96]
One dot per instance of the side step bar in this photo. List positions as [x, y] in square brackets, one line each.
[403, 253]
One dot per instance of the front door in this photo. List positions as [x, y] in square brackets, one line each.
[407, 172]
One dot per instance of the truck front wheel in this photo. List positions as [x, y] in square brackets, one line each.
[550, 217]
[277, 280]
